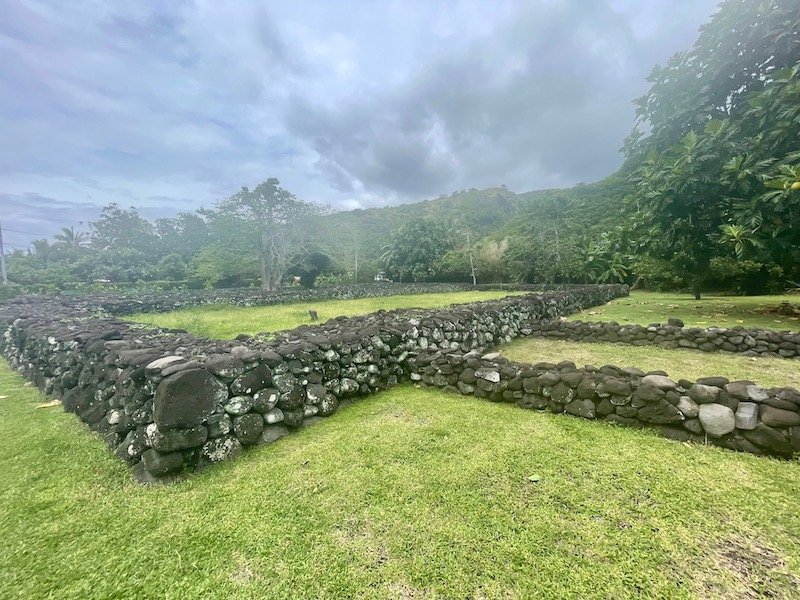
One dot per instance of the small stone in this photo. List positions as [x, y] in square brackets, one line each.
[660, 413]
[328, 405]
[222, 448]
[157, 365]
[273, 416]
[739, 389]
[238, 405]
[218, 425]
[659, 381]
[649, 393]
[581, 408]
[704, 394]
[747, 415]
[717, 419]
[719, 382]
[488, 375]
[315, 392]
[688, 407]
[273, 433]
[160, 463]
[694, 426]
[548, 379]
[265, 400]
[615, 387]
[252, 380]
[176, 439]
[248, 428]
[756, 394]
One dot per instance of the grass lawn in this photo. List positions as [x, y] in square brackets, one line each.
[687, 364]
[225, 322]
[407, 494]
[720, 311]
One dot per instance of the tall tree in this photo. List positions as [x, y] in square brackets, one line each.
[118, 228]
[272, 220]
[723, 120]
[416, 249]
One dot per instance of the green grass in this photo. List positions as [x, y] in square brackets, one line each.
[225, 322]
[407, 494]
[720, 311]
[686, 364]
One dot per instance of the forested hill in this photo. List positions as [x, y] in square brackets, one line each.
[491, 218]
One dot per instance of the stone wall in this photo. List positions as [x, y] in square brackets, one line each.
[735, 414]
[168, 402]
[122, 304]
[748, 342]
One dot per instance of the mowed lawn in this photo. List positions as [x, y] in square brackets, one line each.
[710, 311]
[225, 322]
[407, 494]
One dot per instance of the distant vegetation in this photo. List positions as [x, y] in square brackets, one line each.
[708, 198]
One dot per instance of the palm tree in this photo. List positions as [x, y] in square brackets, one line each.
[71, 238]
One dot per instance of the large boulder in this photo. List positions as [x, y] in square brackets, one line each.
[185, 399]
[779, 417]
[717, 419]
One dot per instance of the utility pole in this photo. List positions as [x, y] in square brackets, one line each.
[3, 275]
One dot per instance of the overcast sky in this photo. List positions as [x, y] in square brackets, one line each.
[168, 106]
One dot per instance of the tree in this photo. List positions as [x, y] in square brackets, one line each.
[70, 238]
[119, 229]
[723, 120]
[416, 249]
[271, 221]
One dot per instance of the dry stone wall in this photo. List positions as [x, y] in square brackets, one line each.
[169, 402]
[748, 342]
[122, 304]
[735, 414]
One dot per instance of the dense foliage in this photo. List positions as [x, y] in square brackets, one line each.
[708, 197]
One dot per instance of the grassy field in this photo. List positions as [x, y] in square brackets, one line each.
[721, 311]
[225, 322]
[408, 494]
[687, 364]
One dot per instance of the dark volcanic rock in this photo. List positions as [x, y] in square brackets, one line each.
[186, 398]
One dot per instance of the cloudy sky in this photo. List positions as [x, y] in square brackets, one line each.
[168, 106]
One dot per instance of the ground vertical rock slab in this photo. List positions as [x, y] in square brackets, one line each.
[186, 398]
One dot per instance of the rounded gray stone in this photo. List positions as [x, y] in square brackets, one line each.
[717, 420]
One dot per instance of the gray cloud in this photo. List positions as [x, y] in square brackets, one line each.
[543, 100]
[169, 106]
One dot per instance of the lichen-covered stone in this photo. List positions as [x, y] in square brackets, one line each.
[222, 448]
[248, 428]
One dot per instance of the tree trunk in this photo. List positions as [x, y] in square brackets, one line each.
[265, 279]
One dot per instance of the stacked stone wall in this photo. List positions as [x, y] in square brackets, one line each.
[168, 402]
[748, 342]
[738, 415]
